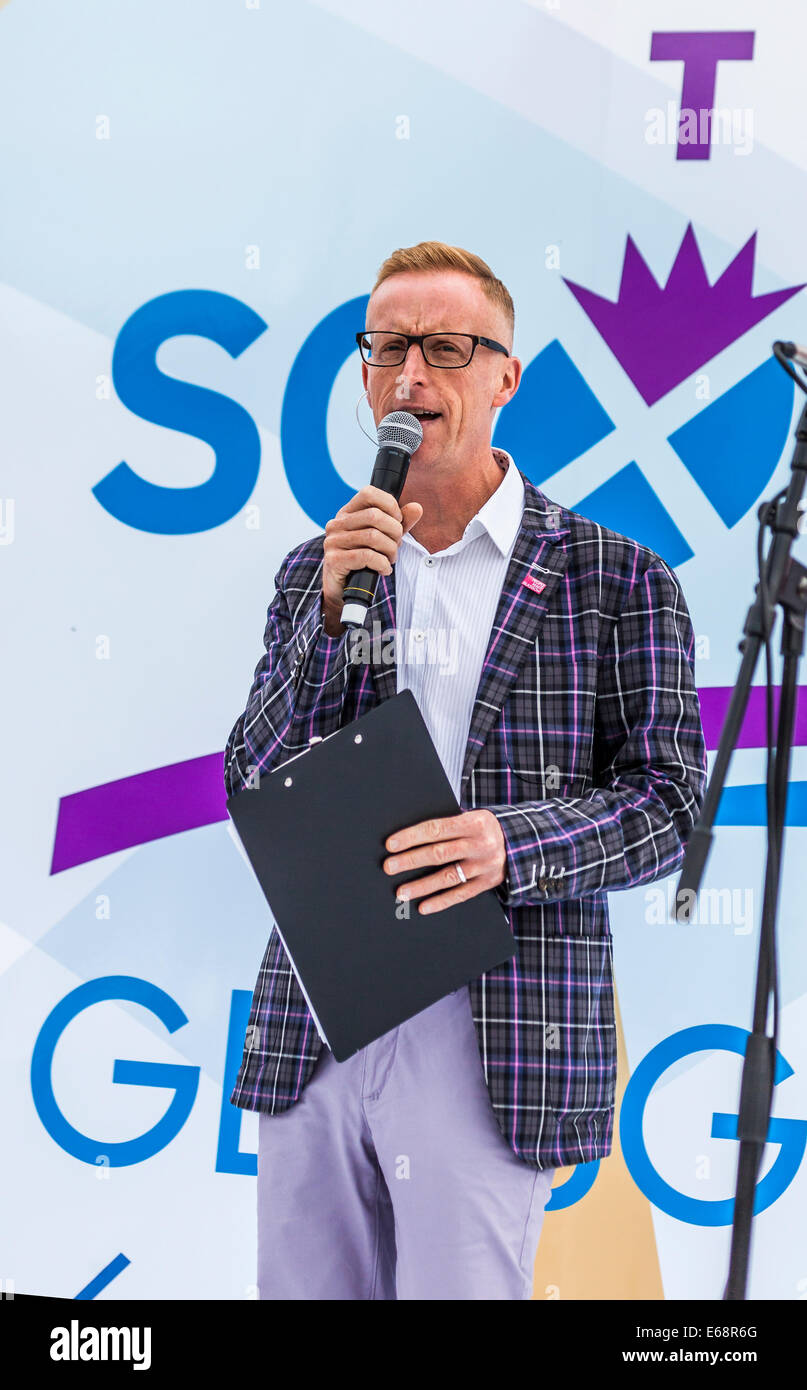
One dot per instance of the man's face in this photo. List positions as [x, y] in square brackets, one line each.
[463, 398]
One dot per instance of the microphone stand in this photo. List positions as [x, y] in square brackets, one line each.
[782, 582]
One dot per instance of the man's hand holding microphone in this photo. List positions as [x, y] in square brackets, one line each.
[364, 534]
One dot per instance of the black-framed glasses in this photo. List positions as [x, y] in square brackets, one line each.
[381, 348]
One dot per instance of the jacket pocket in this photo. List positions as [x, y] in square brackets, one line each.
[578, 1027]
[542, 783]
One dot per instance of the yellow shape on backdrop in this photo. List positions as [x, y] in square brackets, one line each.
[604, 1246]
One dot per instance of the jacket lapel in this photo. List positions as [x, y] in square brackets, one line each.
[539, 558]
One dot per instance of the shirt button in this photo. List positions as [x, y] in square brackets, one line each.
[418, 636]
[428, 560]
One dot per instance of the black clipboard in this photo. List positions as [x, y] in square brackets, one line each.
[314, 831]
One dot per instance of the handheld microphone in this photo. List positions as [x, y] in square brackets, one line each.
[399, 435]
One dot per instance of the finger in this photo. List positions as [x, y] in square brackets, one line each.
[350, 560]
[427, 831]
[363, 518]
[432, 883]
[370, 496]
[412, 513]
[442, 852]
[368, 535]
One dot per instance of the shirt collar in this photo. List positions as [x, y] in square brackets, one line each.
[500, 516]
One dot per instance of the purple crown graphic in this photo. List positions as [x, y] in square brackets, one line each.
[660, 336]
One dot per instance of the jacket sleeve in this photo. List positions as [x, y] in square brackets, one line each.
[298, 688]
[649, 765]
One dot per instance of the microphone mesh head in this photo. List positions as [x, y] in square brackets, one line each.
[401, 429]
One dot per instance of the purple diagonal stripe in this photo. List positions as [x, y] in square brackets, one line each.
[183, 796]
[714, 701]
[134, 810]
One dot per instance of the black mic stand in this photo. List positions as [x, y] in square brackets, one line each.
[783, 582]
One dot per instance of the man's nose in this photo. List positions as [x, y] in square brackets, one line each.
[414, 366]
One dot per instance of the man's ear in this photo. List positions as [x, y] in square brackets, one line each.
[511, 378]
[365, 373]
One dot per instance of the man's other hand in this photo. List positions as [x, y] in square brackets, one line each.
[473, 839]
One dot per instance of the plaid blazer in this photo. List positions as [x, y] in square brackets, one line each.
[585, 742]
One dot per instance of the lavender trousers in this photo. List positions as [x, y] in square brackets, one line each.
[389, 1178]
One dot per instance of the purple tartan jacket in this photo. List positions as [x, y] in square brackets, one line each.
[585, 742]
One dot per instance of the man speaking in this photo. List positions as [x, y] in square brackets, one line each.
[568, 725]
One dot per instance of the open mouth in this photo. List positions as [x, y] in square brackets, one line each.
[424, 415]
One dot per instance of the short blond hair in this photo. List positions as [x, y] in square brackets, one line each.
[437, 255]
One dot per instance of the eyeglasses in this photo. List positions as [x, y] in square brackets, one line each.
[380, 348]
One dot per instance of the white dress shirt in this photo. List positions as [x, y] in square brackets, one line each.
[445, 606]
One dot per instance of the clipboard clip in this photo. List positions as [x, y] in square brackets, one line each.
[315, 738]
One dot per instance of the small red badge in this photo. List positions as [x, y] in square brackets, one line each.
[537, 585]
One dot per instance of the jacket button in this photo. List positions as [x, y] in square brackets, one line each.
[543, 884]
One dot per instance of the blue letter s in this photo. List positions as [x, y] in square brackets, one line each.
[194, 410]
